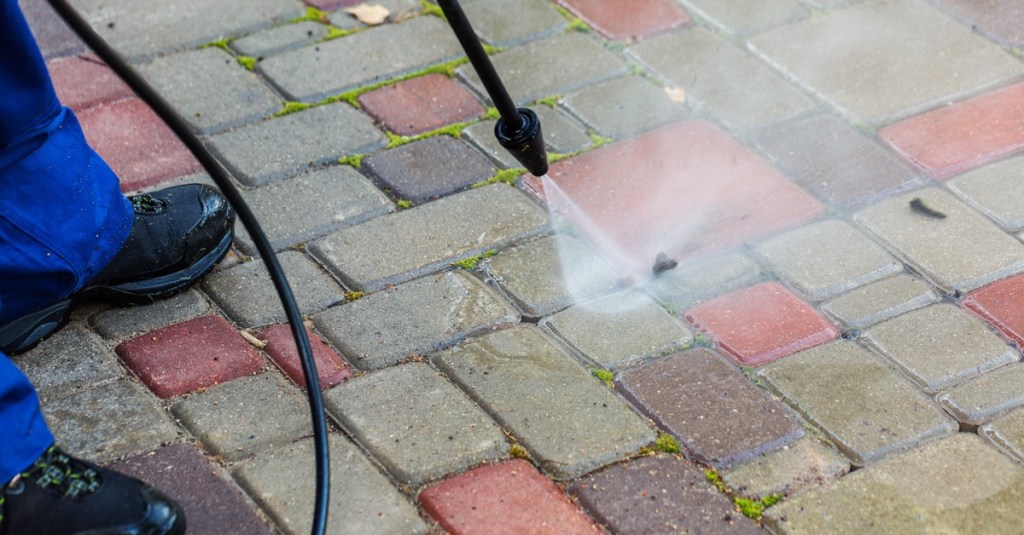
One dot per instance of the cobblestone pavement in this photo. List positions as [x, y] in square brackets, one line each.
[838, 349]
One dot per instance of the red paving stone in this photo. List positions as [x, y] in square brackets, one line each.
[965, 135]
[626, 19]
[330, 368]
[421, 104]
[760, 324]
[136, 144]
[681, 189]
[509, 497]
[190, 355]
[1002, 304]
[84, 81]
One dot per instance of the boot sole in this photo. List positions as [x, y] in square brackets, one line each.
[25, 332]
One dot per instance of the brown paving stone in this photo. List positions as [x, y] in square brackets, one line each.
[85, 81]
[428, 168]
[190, 355]
[627, 19]
[760, 324]
[1001, 304]
[509, 497]
[330, 368]
[421, 104]
[998, 19]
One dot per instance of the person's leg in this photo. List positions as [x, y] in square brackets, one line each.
[23, 432]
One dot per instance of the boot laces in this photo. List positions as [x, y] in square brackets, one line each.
[147, 204]
[57, 471]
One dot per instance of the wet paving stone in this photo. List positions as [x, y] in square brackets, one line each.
[879, 301]
[420, 426]
[81, 358]
[1000, 305]
[603, 106]
[84, 81]
[518, 376]
[422, 104]
[995, 190]
[624, 21]
[745, 17]
[534, 19]
[509, 497]
[414, 318]
[429, 168]
[561, 135]
[860, 403]
[331, 369]
[659, 494]
[761, 324]
[993, 18]
[803, 465]
[986, 396]
[693, 282]
[279, 39]
[717, 414]
[122, 322]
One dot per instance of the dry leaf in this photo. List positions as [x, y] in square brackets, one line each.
[255, 342]
[676, 94]
[369, 14]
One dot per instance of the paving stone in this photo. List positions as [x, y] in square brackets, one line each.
[369, 56]
[1007, 433]
[745, 17]
[414, 318]
[54, 37]
[717, 414]
[906, 43]
[289, 145]
[509, 497]
[80, 358]
[331, 369]
[983, 252]
[416, 423]
[209, 89]
[1000, 305]
[761, 324]
[332, 5]
[791, 469]
[625, 21]
[826, 259]
[879, 301]
[109, 421]
[429, 237]
[645, 106]
[578, 59]
[660, 494]
[534, 19]
[957, 485]
[995, 190]
[717, 76]
[211, 503]
[620, 330]
[429, 168]
[168, 362]
[520, 377]
[279, 39]
[421, 104]
[860, 403]
[561, 135]
[344, 20]
[246, 416]
[695, 281]
[987, 396]
[399, 10]
[84, 81]
[123, 322]
[993, 18]
[246, 293]
[832, 159]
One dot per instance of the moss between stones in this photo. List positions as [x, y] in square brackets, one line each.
[447, 69]
[452, 130]
[665, 443]
[355, 160]
[575, 23]
[603, 375]
[291, 107]
[471, 263]
[505, 176]
[403, 204]
[518, 452]
[248, 62]
[312, 14]
[335, 33]
[430, 8]
[751, 508]
[550, 101]
[221, 43]
[354, 295]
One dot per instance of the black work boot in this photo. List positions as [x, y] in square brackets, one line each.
[60, 494]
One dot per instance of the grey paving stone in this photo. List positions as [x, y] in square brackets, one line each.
[906, 43]
[987, 396]
[625, 106]
[745, 17]
[996, 190]
[1007, 433]
[999, 20]
[859, 402]
[825, 259]
[939, 346]
[620, 330]
[209, 89]
[803, 465]
[561, 135]
[428, 168]
[279, 39]
[288, 145]
[693, 282]
[578, 59]
[54, 37]
[247, 295]
[718, 76]
[984, 253]
[533, 19]
[879, 301]
[414, 318]
[955, 485]
[344, 20]
[123, 322]
[420, 426]
[362, 499]
[109, 421]
[246, 416]
[70, 360]
[411, 243]
[569, 421]
[312, 73]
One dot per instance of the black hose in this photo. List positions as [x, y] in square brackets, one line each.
[220, 177]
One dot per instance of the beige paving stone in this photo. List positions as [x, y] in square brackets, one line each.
[996, 190]
[744, 17]
[987, 396]
[879, 301]
[788, 470]
[693, 282]
[1007, 433]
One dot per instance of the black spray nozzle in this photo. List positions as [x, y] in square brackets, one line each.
[526, 143]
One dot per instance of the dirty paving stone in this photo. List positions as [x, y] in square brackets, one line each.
[1001, 305]
[995, 190]
[602, 106]
[789, 470]
[695, 281]
[82, 359]
[420, 105]
[429, 168]
[986, 396]
[122, 322]
[331, 369]
[534, 19]
[279, 39]
[628, 21]
[876, 302]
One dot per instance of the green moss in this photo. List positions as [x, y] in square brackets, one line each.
[447, 69]
[751, 374]
[471, 263]
[221, 43]
[297, 247]
[715, 479]
[666, 444]
[603, 375]
[355, 160]
[291, 107]
[755, 508]
[555, 157]
[771, 499]
[575, 23]
[599, 140]
[430, 8]
[403, 204]
[248, 62]
[491, 50]
[492, 114]
[335, 33]
[452, 130]
[701, 339]
[312, 14]
[550, 101]
[518, 452]
[505, 176]
[353, 295]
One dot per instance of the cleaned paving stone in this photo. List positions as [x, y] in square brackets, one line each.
[362, 499]
[509, 497]
[659, 494]
[246, 416]
[420, 426]
[279, 39]
[189, 356]
[984, 253]
[422, 104]
[761, 324]
[693, 282]
[209, 89]
[718, 77]
[624, 21]
[288, 145]
[414, 318]
[879, 301]
[1007, 433]
[534, 19]
[835, 161]
[957, 484]
[995, 190]
[718, 415]
[561, 135]
[620, 330]
[81, 359]
[826, 259]
[993, 18]
[791, 469]
[84, 81]
[860, 403]
[331, 369]
[647, 106]
[745, 17]
[906, 43]
[567, 419]
[122, 322]
[54, 37]
[429, 168]
[247, 295]
[429, 237]
[212, 504]
[987, 396]
[1000, 305]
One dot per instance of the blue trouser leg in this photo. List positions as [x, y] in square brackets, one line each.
[23, 433]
